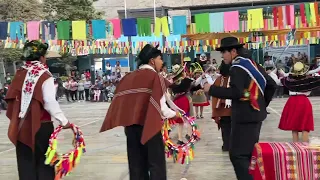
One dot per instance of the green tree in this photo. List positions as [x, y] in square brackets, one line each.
[66, 61]
[10, 54]
[17, 10]
[70, 10]
[21, 10]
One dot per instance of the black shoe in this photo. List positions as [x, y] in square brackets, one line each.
[224, 149]
[201, 116]
[187, 137]
[180, 142]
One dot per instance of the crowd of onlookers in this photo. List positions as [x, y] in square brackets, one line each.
[79, 87]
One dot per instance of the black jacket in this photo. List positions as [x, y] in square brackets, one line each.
[242, 111]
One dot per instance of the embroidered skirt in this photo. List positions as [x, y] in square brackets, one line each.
[200, 100]
[297, 114]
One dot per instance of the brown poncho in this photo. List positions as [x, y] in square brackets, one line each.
[137, 101]
[218, 105]
[32, 121]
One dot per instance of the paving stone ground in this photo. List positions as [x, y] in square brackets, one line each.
[106, 153]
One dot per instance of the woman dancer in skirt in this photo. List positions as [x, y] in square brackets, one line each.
[199, 98]
[297, 114]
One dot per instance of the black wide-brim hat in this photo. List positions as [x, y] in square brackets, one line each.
[228, 43]
[148, 52]
[182, 86]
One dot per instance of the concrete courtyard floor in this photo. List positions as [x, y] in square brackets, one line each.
[106, 152]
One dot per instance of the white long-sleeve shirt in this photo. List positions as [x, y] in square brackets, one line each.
[50, 103]
[166, 111]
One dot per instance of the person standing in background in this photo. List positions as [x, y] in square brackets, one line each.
[87, 86]
[108, 70]
[73, 89]
[81, 89]
[118, 69]
[8, 78]
[66, 86]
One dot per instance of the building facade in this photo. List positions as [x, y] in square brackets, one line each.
[111, 7]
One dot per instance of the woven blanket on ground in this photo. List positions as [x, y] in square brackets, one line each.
[285, 161]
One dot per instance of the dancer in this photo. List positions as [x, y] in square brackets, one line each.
[249, 92]
[140, 108]
[199, 98]
[297, 115]
[31, 106]
[221, 108]
[180, 88]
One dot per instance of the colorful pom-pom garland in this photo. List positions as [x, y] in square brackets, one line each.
[180, 153]
[65, 163]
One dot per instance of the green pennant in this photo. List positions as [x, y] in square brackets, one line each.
[308, 13]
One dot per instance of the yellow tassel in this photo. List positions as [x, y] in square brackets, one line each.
[79, 155]
[54, 144]
[50, 157]
[48, 151]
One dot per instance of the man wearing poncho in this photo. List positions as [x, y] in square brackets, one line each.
[250, 90]
[139, 104]
[31, 107]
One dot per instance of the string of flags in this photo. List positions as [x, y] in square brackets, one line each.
[103, 36]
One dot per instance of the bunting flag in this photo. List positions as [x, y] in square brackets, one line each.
[280, 18]
[232, 21]
[313, 15]
[33, 32]
[179, 25]
[116, 27]
[308, 15]
[99, 29]
[144, 26]
[218, 25]
[316, 7]
[161, 24]
[255, 19]
[275, 16]
[302, 14]
[48, 30]
[63, 28]
[79, 30]
[129, 27]
[202, 23]
[3, 30]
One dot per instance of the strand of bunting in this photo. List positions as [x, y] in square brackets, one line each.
[275, 18]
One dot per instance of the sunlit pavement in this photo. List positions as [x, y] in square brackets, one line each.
[106, 153]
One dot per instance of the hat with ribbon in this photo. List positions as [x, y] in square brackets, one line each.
[299, 69]
[229, 43]
[177, 72]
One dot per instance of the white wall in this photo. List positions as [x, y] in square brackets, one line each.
[110, 7]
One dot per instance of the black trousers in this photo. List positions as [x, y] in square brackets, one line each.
[74, 95]
[67, 92]
[225, 125]
[31, 164]
[87, 94]
[146, 162]
[243, 139]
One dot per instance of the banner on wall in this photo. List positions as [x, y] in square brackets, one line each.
[82, 52]
[284, 54]
[216, 55]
